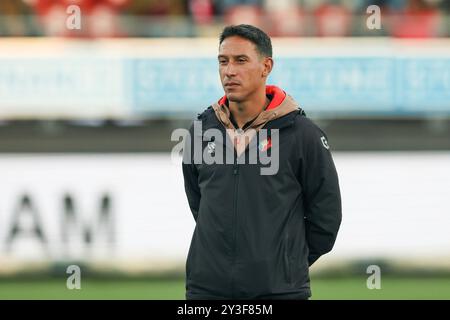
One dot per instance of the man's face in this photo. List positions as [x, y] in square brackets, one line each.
[242, 69]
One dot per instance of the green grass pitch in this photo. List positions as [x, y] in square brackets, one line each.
[334, 288]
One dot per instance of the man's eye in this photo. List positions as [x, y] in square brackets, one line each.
[222, 61]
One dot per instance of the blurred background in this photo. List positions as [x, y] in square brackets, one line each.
[90, 96]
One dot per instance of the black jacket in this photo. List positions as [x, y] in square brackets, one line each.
[256, 235]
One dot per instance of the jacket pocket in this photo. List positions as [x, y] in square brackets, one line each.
[287, 260]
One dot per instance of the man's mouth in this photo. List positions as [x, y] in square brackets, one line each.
[231, 84]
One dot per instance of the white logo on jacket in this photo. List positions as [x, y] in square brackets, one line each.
[211, 147]
[324, 142]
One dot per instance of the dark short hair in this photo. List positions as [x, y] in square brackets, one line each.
[257, 36]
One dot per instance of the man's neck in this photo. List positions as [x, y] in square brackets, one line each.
[247, 110]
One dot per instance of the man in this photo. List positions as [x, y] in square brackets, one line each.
[257, 234]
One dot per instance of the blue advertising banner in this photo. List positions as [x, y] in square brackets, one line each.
[150, 86]
[338, 86]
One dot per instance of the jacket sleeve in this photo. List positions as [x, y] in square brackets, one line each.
[322, 199]
[190, 175]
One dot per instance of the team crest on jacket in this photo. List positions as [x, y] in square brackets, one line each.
[211, 147]
[265, 144]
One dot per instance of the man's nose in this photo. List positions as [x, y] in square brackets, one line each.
[230, 69]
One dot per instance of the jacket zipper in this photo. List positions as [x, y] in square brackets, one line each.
[236, 189]
[236, 193]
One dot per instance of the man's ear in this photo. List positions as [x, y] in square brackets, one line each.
[268, 65]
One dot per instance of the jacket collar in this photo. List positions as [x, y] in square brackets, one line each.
[277, 94]
[280, 105]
